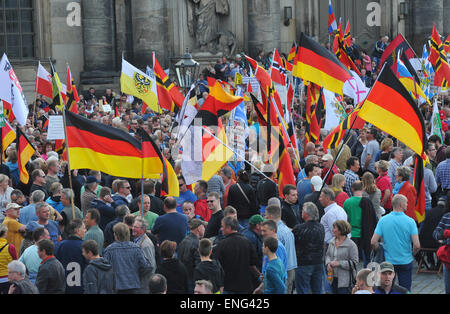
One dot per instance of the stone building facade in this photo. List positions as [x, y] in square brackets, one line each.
[93, 35]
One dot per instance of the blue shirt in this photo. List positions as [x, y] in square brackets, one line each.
[396, 229]
[443, 174]
[275, 277]
[52, 228]
[171, 226]
[186, 196]
[303, 188]
[286, 237]
[282, 256]
[28, 214]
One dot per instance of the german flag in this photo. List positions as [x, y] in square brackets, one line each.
[317, 64]
[419, 185]
[352, 121]
[96, 146]
[292, 52]
[218, 103]
[168, 94]
[169, 184]
[390, 107]
[25, 150]
[390, 53]
[8, 136]
[72, 98]
[439, 60]
[314, 108]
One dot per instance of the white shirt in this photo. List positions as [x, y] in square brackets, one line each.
[333, 212]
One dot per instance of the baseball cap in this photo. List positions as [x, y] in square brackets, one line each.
[195, 223]
[386, 266]
[91, 179]
[327, 157]
[317, 181]
[256, 219]
[13, 205]
[268, 168]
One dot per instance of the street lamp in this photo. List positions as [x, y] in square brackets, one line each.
[187, 70]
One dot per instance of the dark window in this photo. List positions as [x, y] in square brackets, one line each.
[16, 29]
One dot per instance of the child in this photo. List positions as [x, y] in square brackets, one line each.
[274, 275]
[209, 269]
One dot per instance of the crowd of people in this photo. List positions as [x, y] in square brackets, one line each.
[89, 232]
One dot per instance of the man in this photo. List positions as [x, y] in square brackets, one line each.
[353, 210]
[43, 214]
[440, 148]
[227, 178]
[237, 257]
[310, 159]
[387, 285]
[68, 252]
[201, 205]
[156, 204]
[91, 221]
[304, 185]
[215, 184]
[128, 261]
[148, 248]
[253, 233]
[266, 188]
[123, 190]
[89, 194]
[290, 212]
[189, 211]
[157, 284]
[370, 151]
[394, 163]
[327, 163]
[69, 210]
[274, 274]
[316, 185]
[351, 174]
[15, 228]
[18, 197]
[38, 182]
[203, 287]
[104, 206]
[171, 226]
[185, 194]
[149, 216]
[98, 276]
[213, 227]
[209, 269]
[309, 238]
[364, 282]
[287, 238]
[30, 256]
[401, 240]
[17, 277]
[442, 173]
[52, 174]
[51, 277]
[188, 249]
[333, 212]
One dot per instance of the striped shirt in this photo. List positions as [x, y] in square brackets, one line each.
[443, 174]
[444, 224]
[350, 177]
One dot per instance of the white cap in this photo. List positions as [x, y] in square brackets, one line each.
[316, 181]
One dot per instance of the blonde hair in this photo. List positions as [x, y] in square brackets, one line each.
[337, 182]
[368, 182]
[386, 143]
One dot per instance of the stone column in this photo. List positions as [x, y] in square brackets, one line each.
[421, 23]
[446, 18]
[98, 35]
[149, 19]
[264, 19]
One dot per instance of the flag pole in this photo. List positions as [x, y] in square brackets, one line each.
[68, 162]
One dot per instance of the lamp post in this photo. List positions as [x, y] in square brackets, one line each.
[187, 70]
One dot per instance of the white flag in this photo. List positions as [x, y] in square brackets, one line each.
[11, 91]
[333, 114]
[356, 89]
[436, 125]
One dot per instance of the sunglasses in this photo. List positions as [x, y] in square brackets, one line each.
[210, 201]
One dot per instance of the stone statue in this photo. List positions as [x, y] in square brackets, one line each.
[203, 22]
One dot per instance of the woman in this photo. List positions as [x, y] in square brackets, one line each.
[174, 270]
[337, 185]
[47, 148]
[8, 253]
[13, 166]
[402, 186]
[367, 62]
[5, 193]
[386, 147]
[341, 258]
[383, 182]
[243, 197]
[371, 191]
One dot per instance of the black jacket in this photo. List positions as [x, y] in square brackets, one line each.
[188, 253]
[309, 238]
[107, 213]
[245, 209]
[212, 271]
[98, 277]
[176, 275]
[290, 214]
[265, 190]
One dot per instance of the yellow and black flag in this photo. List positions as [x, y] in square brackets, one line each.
[58, 101]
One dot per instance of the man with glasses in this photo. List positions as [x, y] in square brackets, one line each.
[214, 224]
[38, 182]
[123, 190]
[186, 195]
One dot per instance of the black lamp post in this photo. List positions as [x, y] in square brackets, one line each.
[187, 70]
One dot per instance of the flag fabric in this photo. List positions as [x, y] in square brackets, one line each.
[334, 112]
[427, 70]
[355, 88]
[25, 150]
[447, 45]
[332, 26]
[439, 60]
[60, 148]
[277, 70]
[43, 84]
[436, 124]
[72, 98]
[11, 91]
[138, 84]
[403, 121]
[347, 36]
[58, 101]
[292, 52]
[340, 50]
[93, 145]
[8, 111]
[419, 185]
[168, 94]
[187, 113]
[8, 137]
[352, 121]
[317, 64]
[314, 108]
[408, 81]
[390, 53]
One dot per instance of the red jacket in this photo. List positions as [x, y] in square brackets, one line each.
[411, 194]
[201, 209]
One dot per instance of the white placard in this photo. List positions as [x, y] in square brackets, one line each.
[55, 128]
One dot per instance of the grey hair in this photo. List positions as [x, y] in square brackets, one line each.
[40, 205]
[67, 193]
[329, 193]
[274, 201]
[18, 267]
[227, 172]
[404, 172]
[144, 223]
[311, 209]
[37, 196]
[309, 159]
